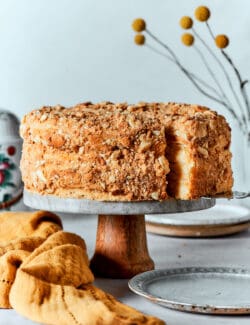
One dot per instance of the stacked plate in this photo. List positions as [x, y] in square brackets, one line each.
[222, 219]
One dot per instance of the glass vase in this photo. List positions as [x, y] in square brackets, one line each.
[240, 160]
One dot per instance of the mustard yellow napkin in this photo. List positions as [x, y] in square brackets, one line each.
[45, 275]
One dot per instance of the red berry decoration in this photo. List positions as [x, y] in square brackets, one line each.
[1, 177]
[11, 150]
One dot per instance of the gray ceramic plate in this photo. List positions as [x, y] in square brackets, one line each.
[220, 214]
[213, 290]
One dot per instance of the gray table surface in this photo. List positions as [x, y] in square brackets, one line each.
[167, 252]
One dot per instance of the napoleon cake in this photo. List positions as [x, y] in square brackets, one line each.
[121, 152]
[83, 152]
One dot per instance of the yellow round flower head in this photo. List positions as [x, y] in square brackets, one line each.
[139, 39]
[139, 25]
[202, 13]
[221, 41]
[186, 22]
[187, 39]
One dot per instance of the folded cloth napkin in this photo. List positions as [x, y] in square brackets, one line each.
[45, 275]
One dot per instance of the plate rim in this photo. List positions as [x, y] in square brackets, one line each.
[136, 285]
[152, 218]
[85, 206]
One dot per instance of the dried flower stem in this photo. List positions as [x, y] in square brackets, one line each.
[162, 44]
[159, 52]
[241, 82]
[203, 82]
[225, 73]
[190, 77]
[194, 76]
[210, 71]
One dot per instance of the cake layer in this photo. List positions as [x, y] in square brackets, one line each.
[198, 148]
[95, 156]
[123, 152]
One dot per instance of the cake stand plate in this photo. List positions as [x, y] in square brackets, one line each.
[121, 245]
[83, 206]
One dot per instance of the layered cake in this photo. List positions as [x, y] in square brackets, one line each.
[121, 152]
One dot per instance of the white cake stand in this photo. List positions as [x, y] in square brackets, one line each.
[121, 245]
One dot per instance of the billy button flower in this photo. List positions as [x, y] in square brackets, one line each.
[202, 13]
[139, 39]
[186, 22]
[187, 39]
[139, 25]
[221, 41]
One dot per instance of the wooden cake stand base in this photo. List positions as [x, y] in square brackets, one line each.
[121, 245]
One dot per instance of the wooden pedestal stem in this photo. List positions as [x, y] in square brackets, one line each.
[121, 247]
